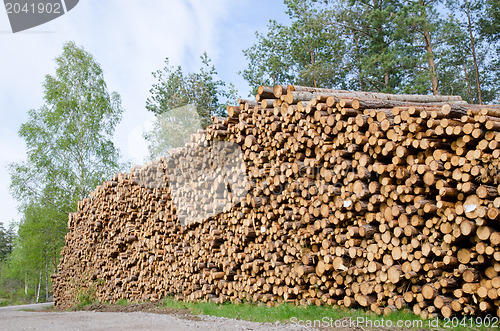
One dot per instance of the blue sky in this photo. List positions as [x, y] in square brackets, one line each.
[130, 39]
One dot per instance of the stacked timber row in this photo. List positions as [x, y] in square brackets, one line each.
[351, 199]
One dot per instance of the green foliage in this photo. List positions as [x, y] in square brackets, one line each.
[68, 139]
[287, 313]
[175, 89]
[183, 104]
[122, 302]
[388, 46]
[269, 60]
[489, 21]
[85, 297]
[11, 290]
[40, 237]
[7, 237]
[69, 153]
[478, 45]
[172, 129]
[456, 68]
[308, 52]
[280, 313]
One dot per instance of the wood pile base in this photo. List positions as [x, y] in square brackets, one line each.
[353, 199]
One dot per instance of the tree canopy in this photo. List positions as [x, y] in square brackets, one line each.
[69, 152]
[174, 88]
[184, 103]
[393, 46]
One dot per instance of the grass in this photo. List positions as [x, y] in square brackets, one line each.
[322, 316]
[38, 309]
[84, 300]
[122, 302]
[310, 316]
[284, 312]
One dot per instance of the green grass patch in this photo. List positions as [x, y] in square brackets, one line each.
[84, 299]
[122, 302]
[328, 317]
[36, 309]
[322, 316]
[282, 313]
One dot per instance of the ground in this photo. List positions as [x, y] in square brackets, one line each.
[129, 317]
[144, 316]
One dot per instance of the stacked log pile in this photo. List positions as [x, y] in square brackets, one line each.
[351, 199]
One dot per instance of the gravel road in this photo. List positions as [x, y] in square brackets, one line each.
[34, 306]
[13, 319]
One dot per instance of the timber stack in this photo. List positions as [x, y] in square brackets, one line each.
[350, 198]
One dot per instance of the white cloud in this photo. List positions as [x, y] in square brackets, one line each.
[130, 39]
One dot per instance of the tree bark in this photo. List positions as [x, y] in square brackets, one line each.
[467, 82]
[39, 285]
[312, 63]
[430, 53]
[46, 282]
[26, 284]
[473, 46]
[361, 80]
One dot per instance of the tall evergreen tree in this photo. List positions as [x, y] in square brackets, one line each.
[308, 52]
[389, 46]
[455, 70]
[269, 59]
[489, 22]
[489, 28]
[418, 25]
[314, 43]
[379, 56]
[476, 20]
[7, 236]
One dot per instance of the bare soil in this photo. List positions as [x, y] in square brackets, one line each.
[148, 307]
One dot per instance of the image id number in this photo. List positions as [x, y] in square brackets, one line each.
[39, 8]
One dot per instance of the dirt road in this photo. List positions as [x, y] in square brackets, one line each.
[13, 319]
[34, 306]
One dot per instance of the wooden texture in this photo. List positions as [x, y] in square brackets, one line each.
[351, 202]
